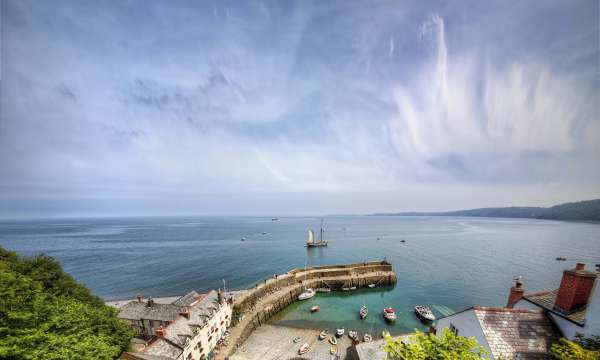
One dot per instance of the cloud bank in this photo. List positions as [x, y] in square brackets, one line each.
[149, 108]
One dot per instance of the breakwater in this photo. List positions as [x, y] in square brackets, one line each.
[257, 305]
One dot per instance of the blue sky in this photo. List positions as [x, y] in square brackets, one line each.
[296, 107]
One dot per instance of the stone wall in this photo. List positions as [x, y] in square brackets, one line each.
[333, 276]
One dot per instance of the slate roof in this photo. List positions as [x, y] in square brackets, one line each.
[547, 299]
[187, 299]
[140, 310]
[517, 333]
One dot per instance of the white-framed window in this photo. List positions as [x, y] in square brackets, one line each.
[454, 329]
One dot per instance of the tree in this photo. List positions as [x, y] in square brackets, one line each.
[569, 350]
[432, 347]
[46, 314]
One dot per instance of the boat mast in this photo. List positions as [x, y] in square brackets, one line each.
[321, 236]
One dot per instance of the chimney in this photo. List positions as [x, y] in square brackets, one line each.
[575, 289]
[150, 302]
[185, 312]
[432, 329]
[140, 298]
[516, 293]
[220, 297]
[160, 332]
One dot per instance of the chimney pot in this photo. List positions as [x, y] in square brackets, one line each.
[160, 332]
[140, 298]
[185, 312]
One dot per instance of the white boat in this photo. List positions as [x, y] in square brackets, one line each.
[367, 338]
[340, 332]
[323, 334]
[333, 350]
[371, 286]
[310, 242]
[363, 312]
[389, 314]
[304, 349]
[353, 335]
[353, 288]
[345, 289]
[297, 339]
[424, 313]
[333, 340]
[307, 294]
[315, 308]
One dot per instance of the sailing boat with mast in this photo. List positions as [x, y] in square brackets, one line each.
[310, 242]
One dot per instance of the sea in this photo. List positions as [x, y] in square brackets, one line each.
[446, 263]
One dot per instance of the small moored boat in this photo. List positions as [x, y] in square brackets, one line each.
[345, 289]
[304, 349]
[297, 339]
[353, 335]
[333, 350]
[307, 294]
[424, 313]
[323, 334]
[315, 308]
[332, 340]
[389, 314]
[371, 286]
[560, 258]
[340, 332]
[363, 312]
[367, 338]
[353, 288]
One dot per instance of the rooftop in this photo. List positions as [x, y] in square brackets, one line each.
[135, 310]
[517, 333]
[547, 299]
[183, 328]
[164, 309]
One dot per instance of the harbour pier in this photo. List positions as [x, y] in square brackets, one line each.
[255, 306]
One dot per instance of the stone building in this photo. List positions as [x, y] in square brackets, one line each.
[193, 334]
[145, 316]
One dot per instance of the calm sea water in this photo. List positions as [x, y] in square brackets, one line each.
[446, 263]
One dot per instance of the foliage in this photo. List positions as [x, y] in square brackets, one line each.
[569, 350]
[431, 347]
[591, 343]
[46, 314]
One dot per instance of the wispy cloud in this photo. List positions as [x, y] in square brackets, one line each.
[309, 105]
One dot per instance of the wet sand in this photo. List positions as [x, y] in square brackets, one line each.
[271, 342]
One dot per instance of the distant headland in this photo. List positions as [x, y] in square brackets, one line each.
[588, 210]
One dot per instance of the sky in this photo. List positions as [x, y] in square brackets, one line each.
[116, 108]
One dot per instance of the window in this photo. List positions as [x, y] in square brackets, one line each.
[453, 329]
